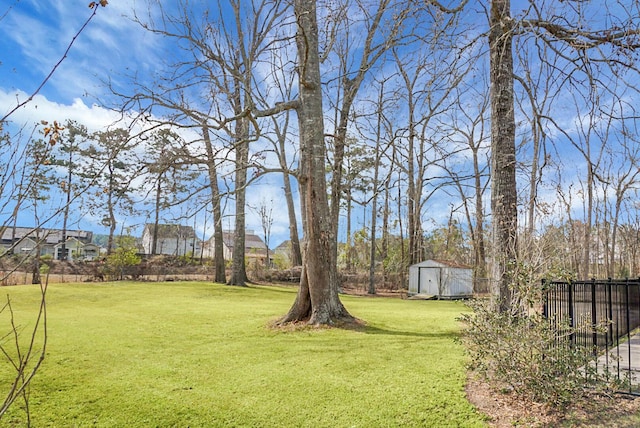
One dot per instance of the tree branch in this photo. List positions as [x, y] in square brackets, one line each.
[94, 6]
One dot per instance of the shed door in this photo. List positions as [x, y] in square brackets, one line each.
[429, 282]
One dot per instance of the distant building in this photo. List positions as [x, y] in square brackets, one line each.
[440, 279]
[27, 241]
[77, 250]
[173, 240]
[254, 247]
[284, 248]
[284, 251]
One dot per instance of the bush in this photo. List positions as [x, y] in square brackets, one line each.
[529, 355]
[120, 263]
[123, 259]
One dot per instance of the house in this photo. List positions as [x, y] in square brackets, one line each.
[173, 239]
[76, 250]
[26, 246]
[254, 247]
[26, 240]
[440, 279]
[284, 251]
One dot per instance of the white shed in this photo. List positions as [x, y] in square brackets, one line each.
[440, 279]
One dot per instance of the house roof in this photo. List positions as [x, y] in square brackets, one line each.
[251, 240]
[70, 242]
[171, 231]
[49, 236]
[284, 246]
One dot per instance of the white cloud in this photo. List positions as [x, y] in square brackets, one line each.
[40, 108]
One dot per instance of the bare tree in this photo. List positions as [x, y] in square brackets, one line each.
[583, 49]
[504, 208]
[468, 124]
[265, 211]
[213, 84]
[428, 81]
[317, 301]
[26, 360]
[284, 82]
[383, 141]
[216, 198]
[384, 29]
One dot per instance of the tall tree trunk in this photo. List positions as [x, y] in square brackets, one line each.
[35, 267]
[112, 216]
[295, 253]
[403, 250]
[318, 301]
[586, 260]
[374, 215]
[414, 188]
[238, 268]
[384, 248]
[480, 271]
[503, 158]
[65, 217]
[348, 244]
[374, 203]
[156, 218]
[218, 244]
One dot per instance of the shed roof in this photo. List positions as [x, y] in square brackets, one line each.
[441, 263]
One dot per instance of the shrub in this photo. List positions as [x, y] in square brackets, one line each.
[123, 259]
[529, 355]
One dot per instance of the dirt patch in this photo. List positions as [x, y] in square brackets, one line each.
[504, 409]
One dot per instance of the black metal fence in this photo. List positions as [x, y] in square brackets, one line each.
[603, 316]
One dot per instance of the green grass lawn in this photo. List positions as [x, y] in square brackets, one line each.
[202, 355]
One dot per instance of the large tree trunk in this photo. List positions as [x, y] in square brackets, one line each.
[238, 268]
[317, 301]
[218, 244]
[503, 165]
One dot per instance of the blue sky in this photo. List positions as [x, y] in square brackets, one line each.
[34, 35]
[33, 38]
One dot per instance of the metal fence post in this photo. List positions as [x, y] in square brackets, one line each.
[594, 318]
[572, 335]
[609, 333]
[545, 299]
